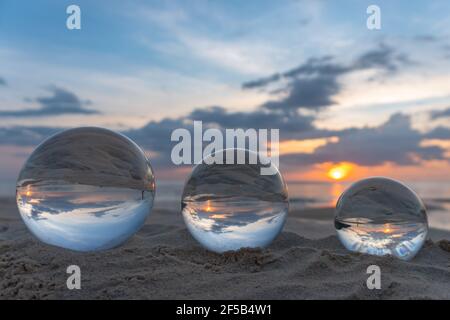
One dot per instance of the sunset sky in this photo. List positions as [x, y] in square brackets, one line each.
[349, 102]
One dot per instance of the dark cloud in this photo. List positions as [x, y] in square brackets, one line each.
[25, 136]
[324, 66]
[2, 82]
[394, 141]
[310, 86]
[440, 113]
[307, 93]
[384, 58]
[313, 84]
[155, 136]
[261, 82]
[260, 118]
[60, 102]
[441, 133]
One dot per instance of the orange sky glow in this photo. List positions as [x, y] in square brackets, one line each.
[437, 170]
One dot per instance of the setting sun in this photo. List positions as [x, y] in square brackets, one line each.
[387, 228]
[208, 207]
[339, 171]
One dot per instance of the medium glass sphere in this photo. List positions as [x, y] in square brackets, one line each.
[230, 206]
[381, 216]
[85, 189]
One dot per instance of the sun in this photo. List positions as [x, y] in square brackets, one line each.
[339, 171]
[208, 207]
[336, 173]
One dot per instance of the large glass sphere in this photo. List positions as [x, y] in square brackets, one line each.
[232, 206]
[381, 216]
[85, 189]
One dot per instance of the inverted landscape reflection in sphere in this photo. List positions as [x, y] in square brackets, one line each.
[85, 189]
[381, 216]
[232, 206]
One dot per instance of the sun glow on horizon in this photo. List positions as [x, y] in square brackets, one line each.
[208, 207]
[339, 171]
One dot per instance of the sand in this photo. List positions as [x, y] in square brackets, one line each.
[162, 261]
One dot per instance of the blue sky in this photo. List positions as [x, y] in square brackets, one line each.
[135, 63]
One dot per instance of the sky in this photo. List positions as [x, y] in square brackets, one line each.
[345, 98]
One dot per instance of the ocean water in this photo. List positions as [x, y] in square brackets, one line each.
[436, 196]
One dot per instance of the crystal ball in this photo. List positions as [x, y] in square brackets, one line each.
[381, 216]
[85, 189]
[227, 206]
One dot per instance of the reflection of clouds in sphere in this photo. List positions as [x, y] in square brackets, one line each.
[232, 206]
[381, 216]
[85, 189]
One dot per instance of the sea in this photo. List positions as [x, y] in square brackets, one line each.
[303, 195]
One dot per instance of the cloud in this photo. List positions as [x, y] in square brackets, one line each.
[384, 58]
[436, 114]
[441, 133]
[394, 141]
[25, 136]
[259, 118]
[262, 82]
[2, 82]
[313, 84]
[323, 66]
[155, 136]
[60, 102]
[307, 93]
[310, 86]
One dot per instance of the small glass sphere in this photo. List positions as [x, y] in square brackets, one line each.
[231, 206]
[85, 189]
[381, 216]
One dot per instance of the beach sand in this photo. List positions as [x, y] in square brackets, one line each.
[162, 261]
